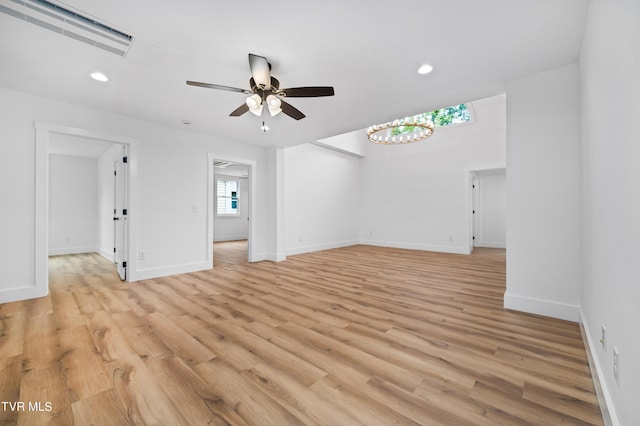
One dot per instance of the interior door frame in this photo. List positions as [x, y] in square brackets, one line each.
[252, 254]
[471, 174]
[43, 132]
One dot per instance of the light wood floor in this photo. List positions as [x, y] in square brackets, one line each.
[229, 253]
[359, 335]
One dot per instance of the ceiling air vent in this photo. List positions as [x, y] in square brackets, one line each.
[222, 164]
[70, 23]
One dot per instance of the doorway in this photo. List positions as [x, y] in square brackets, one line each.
[86, 139]
[87, 198]
[231, 205]
[488, 208]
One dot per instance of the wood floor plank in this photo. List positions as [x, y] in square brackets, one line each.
[10, 378]
[237, 356]
[360, 406]
[197, 403]
[271, 354]
[298, 398]
[178, 340]
[367, 363]
[41, 346]
[578, 408]
[104, 408]
[138, 389]
[254, 406]
[313, 352]
[12, 329]
[47, 390]
[355, 335]
[431, 410]
[84, 369]
[140, 336]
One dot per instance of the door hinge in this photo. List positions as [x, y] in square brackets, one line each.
[473, 211]
[124, 264]
[474, 237]
[473, 186]
[124, 212]
[114, 249]
[115, 173]
[125, 159]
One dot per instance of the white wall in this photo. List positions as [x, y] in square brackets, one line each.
[73, 205]
[171, 173]
[322, 209]
[543, 194]
[275, 205]
[491, 211]
[610, 96]
[416, 195]
[353, 143]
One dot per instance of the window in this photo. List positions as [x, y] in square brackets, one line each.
[227, 190]
[441, 117]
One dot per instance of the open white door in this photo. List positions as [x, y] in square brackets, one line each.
[120, 228]
[476, 211]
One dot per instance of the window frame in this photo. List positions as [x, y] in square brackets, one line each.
[216, 198]
[438, 129]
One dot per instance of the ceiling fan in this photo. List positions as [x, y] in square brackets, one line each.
[265, 90]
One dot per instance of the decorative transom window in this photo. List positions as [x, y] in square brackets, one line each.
[227, 196]
[455, 114]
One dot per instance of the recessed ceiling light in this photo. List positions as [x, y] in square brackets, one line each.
[425, 69]
[98, 76]
[186, 122]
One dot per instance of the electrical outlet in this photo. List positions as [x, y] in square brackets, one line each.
[616, 364]
[299, 239]
[603, 337]
[195, 208]
[142, 255]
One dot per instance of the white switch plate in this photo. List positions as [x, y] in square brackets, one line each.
[616, 364]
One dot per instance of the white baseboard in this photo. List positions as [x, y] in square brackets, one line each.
[230, 238]
[165, 271]
[546, 308]
[22, 293]
[71, 250]
[607, 409]
[320, 247]
[415, 246]
[492, 244]
[106, 254]
[273, 257]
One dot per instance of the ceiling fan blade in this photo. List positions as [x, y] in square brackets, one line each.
[308, 92]
[240, 110]
[219, 87]
[260, 70]
[291, 111]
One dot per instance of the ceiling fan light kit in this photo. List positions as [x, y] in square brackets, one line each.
[254, 102]
[265, 90]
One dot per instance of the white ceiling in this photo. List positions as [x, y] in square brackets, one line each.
[369, 51]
